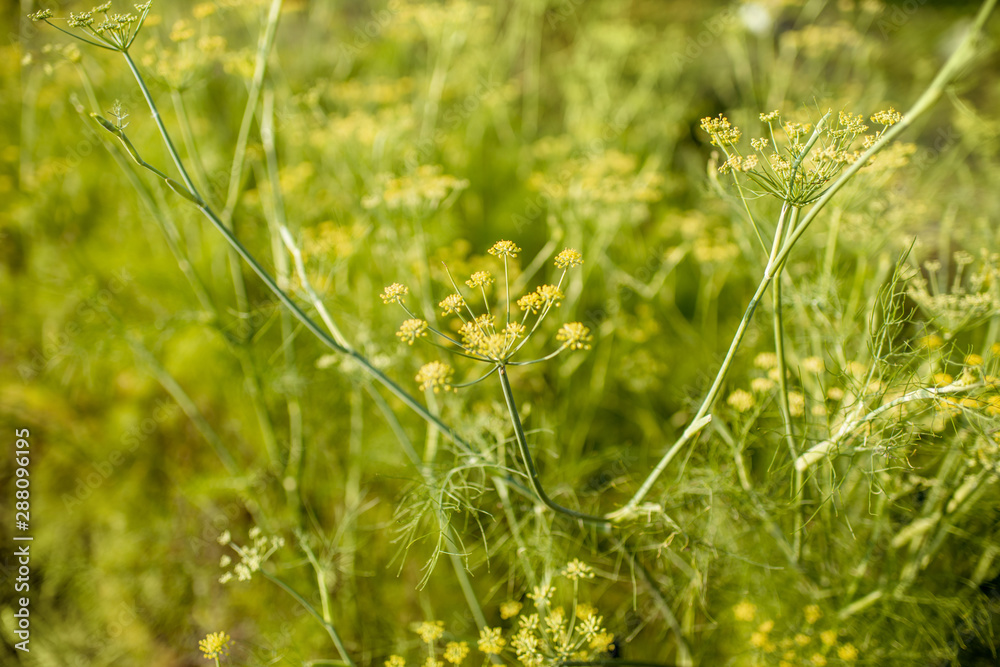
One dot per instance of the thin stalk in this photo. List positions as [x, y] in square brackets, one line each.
[187, 135]
[324, 595]
[330, 630]
[160, 126]
[785, 404]
[264, 45]
[522, 444]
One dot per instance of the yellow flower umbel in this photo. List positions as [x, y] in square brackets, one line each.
[796, 161]
[486, 337]
[455, 652]
[430, 631]
[411, 330]
[491, 641]
[435, 375]
[215, 646]
[100, 27]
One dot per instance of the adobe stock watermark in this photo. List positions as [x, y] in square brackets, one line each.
[695, 46]
[450, 119]
[595, 317]
[896, 16]
[57, 345]
[368, 31]
[100, 471]
[547, 195]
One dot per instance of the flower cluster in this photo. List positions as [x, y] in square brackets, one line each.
[99, 27]
[550, 635]
[422, 191]
[798, 167]
[251, 557]
[963, 301]
[803, 645]
[215, 645]
[484, 336]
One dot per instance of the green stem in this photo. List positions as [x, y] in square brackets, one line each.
[330, 630]
[159, 124]
[522, 444]
[784, 402]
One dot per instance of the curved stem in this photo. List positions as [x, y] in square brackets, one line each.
[522, 445]
[330, 630]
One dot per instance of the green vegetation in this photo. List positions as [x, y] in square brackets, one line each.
[542, 333]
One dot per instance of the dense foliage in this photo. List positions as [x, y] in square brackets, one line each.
[750, 249]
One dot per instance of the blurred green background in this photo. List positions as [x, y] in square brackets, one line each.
[560, 123]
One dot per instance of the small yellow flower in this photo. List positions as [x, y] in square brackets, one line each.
[514, 330]
[993, 406]
[395, 661]
[479, 279]
[745, 611]
[577, 569]
[585, 611]
[455, 652]
[575, 336]
[182, 31]
[435, 375]
[973, 360]
[723, 132]
[818, 660]
[813, 365]
[430, 631]
[758, 639]
[942, 379]
[761, 385]
[203, 10]
[510, 609]
[847, 652]
[766, 360]
[541, 594]
[887, 118]
[431, 661]
[828, 637]
[603, 642]
[215, 645]
[550, 295]
[491, 642]
[768, 117]
[531, 302]
[796, 404]
[504, 249]
[394, 293]
[766, 626]
[812, 613]
[453, 303]
[411, 330]
[802, 639]
[741, 400]
[568, 258]
[931, 342]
